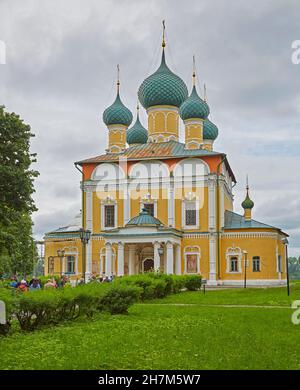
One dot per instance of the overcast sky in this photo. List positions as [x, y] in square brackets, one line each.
[60, 75]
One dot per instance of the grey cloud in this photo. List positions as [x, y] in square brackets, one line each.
[61, 70]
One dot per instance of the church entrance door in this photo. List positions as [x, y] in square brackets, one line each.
[148, 265]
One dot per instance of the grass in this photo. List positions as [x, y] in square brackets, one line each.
[169, 337]
[276, 296]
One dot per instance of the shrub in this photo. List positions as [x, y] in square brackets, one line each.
[151, 287]
[192, 282]
[178, 283]
[38, 308]
[119, 298]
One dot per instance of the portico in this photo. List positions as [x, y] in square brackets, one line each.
[143, 245]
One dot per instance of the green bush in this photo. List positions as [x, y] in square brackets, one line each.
[192, 282]
[119, 298]
[152, 287]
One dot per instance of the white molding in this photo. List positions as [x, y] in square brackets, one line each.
[234, 252]
[184, 202]
[253, 282]
[212, 257]
[212, 203]
[111, 202]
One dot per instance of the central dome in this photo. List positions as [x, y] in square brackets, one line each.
[162, 88]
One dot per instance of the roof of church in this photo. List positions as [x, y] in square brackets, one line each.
[237, 221]
[153, 151]
[71, 227]
[144, 218]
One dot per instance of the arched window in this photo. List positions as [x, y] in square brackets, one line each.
[192, 260]
[102, 268]
[234, 260]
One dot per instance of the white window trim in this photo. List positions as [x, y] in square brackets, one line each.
[260, 263]
[108, 203]
[198, 263]
[190, 227]
[234, 252]
[150, 201]
[70, 251]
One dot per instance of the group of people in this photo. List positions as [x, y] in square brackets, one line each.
[36, 284]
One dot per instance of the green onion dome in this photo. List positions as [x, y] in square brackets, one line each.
[144, 218]
[194, 107]
[248, 203]
[117, 113]
[137, 134]
[162, 88]
[210, 130]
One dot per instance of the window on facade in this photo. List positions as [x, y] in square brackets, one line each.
[233, 264]
[190, 214]
[150, 208]
[191, 263]
[50, 265]
[256, 263]
[279, 263]
[70, 264]
[109, 212]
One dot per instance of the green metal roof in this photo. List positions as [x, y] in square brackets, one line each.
[137, 134]
[237, 221]
[117, 113]
[247, 203]
[210, 130]
[194, 107]
[144, 219]
[163, 87]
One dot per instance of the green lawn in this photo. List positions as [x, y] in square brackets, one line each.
[238, 296]
[169, 337]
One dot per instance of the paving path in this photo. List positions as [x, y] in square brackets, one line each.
[226, 306]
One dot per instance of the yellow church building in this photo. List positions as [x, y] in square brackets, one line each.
[152, 202]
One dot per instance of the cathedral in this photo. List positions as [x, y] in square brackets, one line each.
[152, 202]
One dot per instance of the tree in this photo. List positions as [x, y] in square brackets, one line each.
[16, 189]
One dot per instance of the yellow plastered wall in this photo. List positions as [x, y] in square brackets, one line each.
[228, 204]
[193, 133]
[163, 121]
[264, 247]
[51, 248]
[203, 244]
[98, 196]
[116, 138]
[203, 212]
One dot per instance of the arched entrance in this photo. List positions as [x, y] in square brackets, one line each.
[148, 265]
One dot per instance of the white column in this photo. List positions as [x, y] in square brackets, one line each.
[212, 259]
[156, 245]
[108, 259]
[170, 258]
[89, 226]
[126, 203]
[120, 271]
[222, 205]
[212, 204]
[171, 204]
[131, 260]
[178, 260]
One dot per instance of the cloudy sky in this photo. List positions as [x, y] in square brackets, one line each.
[60, 71]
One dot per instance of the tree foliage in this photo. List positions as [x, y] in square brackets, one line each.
[16, 189]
